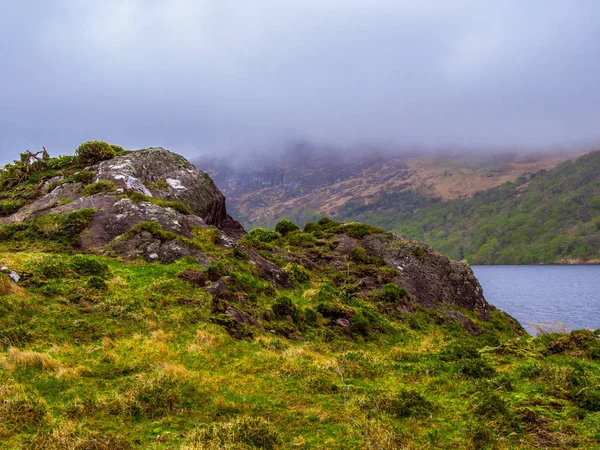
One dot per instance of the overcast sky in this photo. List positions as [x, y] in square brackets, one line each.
[196, 76]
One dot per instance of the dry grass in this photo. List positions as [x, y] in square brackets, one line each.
[9, 287]
[173, 370]
[546, 328]
[28, 358]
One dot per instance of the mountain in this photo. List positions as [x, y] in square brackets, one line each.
[487, 209]
[135, 312]
[547, 217]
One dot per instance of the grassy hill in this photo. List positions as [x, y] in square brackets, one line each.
[549, 217]
[313, 338]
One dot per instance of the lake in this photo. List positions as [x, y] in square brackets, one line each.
[544, 294]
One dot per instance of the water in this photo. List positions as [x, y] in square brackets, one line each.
[544, 294]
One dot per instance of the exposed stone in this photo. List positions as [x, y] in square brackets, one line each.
[430, 276]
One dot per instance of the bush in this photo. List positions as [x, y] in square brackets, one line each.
[588, 399]
[100, 186]
[359, 255]
[284, 308]
[464, 349]
[297, 274]
[417, 251]
[286, 226]
[7, 207]
[94, 151]
[391, 293]
[96, 283]
[475, 368]
[406, 403]
[262, 235]
[311, 227]
[326, 223]
[83, 177]
[359, 230]
[84, 265]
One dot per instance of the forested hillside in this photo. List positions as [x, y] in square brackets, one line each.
[551, 216]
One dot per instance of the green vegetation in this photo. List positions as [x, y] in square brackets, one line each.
[98, 187]
[101, 353]
[175, 204]
[548, 217]
[92, 152]
[286, 226]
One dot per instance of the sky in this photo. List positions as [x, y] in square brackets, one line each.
[200, 76]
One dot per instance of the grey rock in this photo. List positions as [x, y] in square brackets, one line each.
[14, 276]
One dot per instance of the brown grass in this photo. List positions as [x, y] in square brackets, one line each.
[29, 358]
[9, 287]
[545, 328]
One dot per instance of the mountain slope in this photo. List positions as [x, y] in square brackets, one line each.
[305, 183]
[553, 216]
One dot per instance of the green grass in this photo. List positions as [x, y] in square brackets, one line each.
[147, 362]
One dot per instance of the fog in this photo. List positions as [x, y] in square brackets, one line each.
[200, 76]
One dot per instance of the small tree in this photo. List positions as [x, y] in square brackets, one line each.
[94, 151]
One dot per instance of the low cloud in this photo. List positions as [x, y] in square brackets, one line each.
[200, 76]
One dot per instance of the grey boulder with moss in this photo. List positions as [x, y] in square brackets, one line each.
[161, 177]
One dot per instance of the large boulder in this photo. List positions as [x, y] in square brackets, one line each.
[155, 173]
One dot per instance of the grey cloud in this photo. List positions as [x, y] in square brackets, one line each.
[199, 75]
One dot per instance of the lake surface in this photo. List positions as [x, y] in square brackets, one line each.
[544, 294]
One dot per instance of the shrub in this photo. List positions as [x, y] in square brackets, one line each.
[359, 230]
[417, 251]
[94, 151]
[96, 283]
[7, 207]
[262, 235]
[588, 398]
[284, 308]
[303, 240]
[100, 186]
[311, 227]
[406, 403]
[326, 223]
[83, 177]
[310, 317]
[490, 405]
[84, 265]
[391, 293]
[118, 149]
[359, 255]
[52, 268]
[360, 325]
[464, 349]
[297, 274]
[155, 397]
[286, 226]
[475, 368]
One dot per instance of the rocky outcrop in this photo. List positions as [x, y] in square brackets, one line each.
[428, 275]
[155, 173]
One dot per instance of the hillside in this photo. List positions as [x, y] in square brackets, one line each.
[486, 210]
[306, 182]
[549, 217]
[135, 312]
